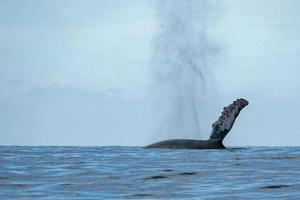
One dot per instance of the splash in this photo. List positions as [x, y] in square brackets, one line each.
[181, 60]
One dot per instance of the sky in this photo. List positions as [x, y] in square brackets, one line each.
[79, 72]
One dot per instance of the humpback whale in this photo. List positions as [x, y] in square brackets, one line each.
[220, 129]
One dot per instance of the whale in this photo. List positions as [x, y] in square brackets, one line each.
[220, 129]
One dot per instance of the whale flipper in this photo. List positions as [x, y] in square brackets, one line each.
[220, 129]
[223, 125]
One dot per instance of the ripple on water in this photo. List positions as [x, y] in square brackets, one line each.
[138, 173]
[274, 186]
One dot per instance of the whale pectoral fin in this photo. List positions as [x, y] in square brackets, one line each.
[223, 125]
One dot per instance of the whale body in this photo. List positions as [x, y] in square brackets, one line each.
[220, 129]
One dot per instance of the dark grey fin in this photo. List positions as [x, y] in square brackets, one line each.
[225, 122]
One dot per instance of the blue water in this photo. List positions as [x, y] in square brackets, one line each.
[137, 173]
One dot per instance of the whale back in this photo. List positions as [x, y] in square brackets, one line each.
[223, 125]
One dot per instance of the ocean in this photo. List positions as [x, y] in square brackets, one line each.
[113, 172]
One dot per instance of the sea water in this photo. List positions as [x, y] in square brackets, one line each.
[50, 172]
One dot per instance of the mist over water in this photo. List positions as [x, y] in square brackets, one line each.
[183, 55]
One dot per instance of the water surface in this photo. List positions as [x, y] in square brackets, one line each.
[48, 172]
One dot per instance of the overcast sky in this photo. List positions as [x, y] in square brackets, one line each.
[79, 72]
